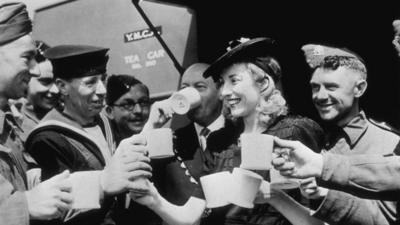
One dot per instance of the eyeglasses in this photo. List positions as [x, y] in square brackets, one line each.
[130, 106]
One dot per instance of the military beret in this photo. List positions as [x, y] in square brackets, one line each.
[14, 22]
[315, 54]
[75, 61]
[118, 85]
[257, 51]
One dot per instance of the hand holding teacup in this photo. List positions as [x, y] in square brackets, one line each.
[184, 100]
[180, 103]
[160, 113]
[128, 168]
[303, 162]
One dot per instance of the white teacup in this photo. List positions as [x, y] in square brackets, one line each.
[85, 190]
[215, 187]
[159, 143]
[184, 100]
[244, 187]
[256, 151]
[281, 182]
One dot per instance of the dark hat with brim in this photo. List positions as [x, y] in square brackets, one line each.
[75, 61]
[14, 22]
[256, 51]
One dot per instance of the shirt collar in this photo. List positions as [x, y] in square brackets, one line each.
[356, 128]
[216, 125]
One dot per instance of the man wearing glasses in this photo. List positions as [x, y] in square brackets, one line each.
[128, 105]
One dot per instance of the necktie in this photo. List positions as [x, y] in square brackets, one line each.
[203, 137]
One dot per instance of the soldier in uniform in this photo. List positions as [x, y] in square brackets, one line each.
[49, 199]
[42, 92]
[337, 83]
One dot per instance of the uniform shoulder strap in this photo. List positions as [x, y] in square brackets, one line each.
[384, 126]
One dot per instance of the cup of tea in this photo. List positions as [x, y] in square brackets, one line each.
[85, 190]
[184, 100]
[215, 187]
[159, 143]
[244, 187]
[256, 151]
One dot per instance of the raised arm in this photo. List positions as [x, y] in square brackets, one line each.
[366, 176]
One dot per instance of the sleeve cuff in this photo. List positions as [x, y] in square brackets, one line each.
[331, 207]
[335, 170]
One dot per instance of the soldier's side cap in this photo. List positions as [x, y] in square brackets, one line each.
[251, 50]
[14, 21]
[75, 61]
[316, 53]
[118, 85]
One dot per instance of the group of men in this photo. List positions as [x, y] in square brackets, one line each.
[77, 133]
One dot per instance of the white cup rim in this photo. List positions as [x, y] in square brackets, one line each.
[247, 173]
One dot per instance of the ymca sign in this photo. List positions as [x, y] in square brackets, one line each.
[141, 34]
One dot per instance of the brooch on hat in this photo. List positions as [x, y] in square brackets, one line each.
[314, 54]
[318, 50]
[232, 44]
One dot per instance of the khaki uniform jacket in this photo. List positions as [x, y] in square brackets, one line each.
[367, 176]
[13, 182]
[359, 136]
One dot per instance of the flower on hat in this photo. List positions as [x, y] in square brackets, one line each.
[237, 42]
